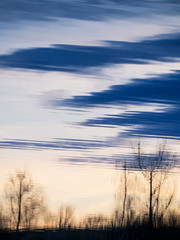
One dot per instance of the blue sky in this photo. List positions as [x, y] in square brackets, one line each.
[83, 66]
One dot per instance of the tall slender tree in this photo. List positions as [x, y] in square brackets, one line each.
[154, 168]
[24, 199]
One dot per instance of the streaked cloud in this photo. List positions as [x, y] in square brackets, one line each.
[56, 144]
[163, 89]
[83, 9]
[72, 58]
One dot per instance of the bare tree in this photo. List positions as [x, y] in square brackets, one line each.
[3, 219]
[125, 194]
[66, 214]
[121, 196]
[24, 198]
[155, 168]
[95, 221]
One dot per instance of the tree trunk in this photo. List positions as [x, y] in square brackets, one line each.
[19, 207]
[125, 195]
[150, 200]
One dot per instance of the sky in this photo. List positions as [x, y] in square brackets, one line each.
[81, 82]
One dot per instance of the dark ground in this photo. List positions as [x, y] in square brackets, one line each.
[133, 233]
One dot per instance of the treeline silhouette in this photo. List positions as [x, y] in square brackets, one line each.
[144, 208]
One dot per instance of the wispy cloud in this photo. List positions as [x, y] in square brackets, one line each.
[56, 144]
[163, 89]
[72, 58]
[84, 9]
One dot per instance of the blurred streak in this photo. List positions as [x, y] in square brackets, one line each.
[81, 9]
[81, 80]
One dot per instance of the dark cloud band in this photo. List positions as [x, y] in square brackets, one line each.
[72, 58]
